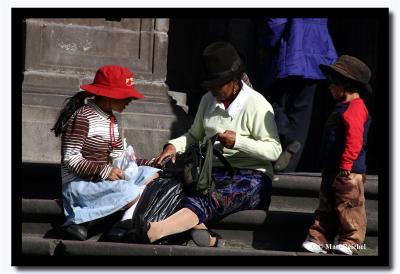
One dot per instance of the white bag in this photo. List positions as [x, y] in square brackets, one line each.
[126, 161]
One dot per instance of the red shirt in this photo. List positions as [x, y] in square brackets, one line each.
[230, 99]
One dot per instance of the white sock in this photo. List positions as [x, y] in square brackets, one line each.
[129, 212]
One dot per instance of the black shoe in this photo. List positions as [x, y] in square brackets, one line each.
[138, 234]
[75, 232]
[286, 155]
[118, 231]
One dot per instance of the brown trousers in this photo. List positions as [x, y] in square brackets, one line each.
[341, 210]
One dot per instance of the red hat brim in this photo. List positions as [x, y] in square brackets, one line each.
[114, 93]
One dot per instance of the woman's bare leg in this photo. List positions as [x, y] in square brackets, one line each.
[181, 221]
[200, 226]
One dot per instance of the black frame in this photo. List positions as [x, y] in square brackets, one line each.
[385, 214]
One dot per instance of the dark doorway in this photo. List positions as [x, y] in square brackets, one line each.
[364, 38]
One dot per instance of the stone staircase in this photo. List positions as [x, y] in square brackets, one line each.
[247, 233]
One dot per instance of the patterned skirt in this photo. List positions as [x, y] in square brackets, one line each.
[250, 189]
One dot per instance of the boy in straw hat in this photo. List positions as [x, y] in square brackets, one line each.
[341, 210]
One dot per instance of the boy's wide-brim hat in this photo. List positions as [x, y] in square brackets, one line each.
[222, 63]
[113, 81]
[351, 68]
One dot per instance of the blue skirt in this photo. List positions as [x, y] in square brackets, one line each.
[85, 201]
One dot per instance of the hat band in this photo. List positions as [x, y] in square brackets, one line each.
[234, 68]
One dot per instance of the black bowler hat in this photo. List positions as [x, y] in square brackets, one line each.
[351, 68]
[222, 63]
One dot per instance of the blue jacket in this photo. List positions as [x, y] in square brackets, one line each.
[300, 45]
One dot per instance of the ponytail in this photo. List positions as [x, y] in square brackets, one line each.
[73, 103]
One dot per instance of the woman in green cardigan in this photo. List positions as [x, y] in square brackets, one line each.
[244, 123]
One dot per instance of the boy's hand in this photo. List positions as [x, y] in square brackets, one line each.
[344, 173]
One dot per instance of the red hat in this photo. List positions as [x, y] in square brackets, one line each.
[113, 81]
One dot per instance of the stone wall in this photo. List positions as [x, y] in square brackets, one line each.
[61, 54]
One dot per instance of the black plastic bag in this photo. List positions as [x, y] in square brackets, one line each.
[160, 199]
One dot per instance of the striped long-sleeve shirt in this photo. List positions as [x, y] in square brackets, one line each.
[86, 144]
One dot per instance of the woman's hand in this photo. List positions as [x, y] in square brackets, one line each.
[116, 174]
[168, 150]
[227, 138]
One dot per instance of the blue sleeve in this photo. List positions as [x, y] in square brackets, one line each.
[274, 28]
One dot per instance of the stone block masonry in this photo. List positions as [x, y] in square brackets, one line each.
[61, 54]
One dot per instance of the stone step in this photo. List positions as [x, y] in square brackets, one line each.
[236, 243]
[285, 211]
[246, 233]
[307, 184]
[37, 246]
[279, 231]
[290, 212]
[48, 182]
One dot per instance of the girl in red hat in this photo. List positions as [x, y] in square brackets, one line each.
[91, 187]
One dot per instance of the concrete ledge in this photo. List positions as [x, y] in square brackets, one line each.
[307, 184]
[47, 247]
[41, 208]
[37, 246]
[286, 213]
[288, 184]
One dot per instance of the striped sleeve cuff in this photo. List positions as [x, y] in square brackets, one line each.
[105, 172]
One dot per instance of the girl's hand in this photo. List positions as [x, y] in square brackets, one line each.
[116, 174]
[227, 138]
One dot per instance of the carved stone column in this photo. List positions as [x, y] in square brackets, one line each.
[62, 54]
